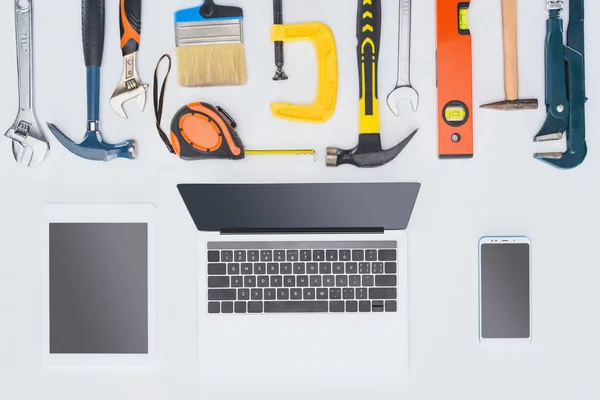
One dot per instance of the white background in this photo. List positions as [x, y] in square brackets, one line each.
[503, 190]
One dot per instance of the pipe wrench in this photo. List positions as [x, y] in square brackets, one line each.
[565, 86]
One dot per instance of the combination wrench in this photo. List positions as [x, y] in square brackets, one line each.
[29, 143]
[403, 90]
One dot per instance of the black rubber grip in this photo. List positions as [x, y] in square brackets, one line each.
[369, 38]
[92, 21]
[130, 21]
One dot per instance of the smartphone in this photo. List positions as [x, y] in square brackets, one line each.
[505, 288]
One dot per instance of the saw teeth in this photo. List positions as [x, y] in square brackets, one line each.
[553, 156]
[549, 137]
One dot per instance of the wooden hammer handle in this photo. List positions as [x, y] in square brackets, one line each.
[511, 62]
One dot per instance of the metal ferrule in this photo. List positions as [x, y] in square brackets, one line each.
[554, 5]
[92, 126]
[213, 32]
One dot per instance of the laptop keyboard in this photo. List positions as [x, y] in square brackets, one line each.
[302, 277]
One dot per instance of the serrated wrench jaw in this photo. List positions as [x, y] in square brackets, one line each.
[29, 144]
[130, 86]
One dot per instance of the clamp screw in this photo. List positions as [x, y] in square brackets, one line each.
[560, 108]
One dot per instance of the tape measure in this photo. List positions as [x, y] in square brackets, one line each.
[455, 80]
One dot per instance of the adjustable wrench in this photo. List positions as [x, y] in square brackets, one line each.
[403, 90]
[29, 143]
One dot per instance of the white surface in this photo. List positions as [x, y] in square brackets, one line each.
[503, 190]
[323, 348]
[100, 213]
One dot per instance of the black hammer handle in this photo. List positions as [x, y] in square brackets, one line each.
[369, 37]
[92, 20]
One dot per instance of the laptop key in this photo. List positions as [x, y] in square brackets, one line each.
[273, 269]
[214, 307]
[335, 294]
[227, 307]
[218, 281]
[240, 307]
[217, 269]
[256, 294]
[386, 280]
[253, 255]
[296, 294]
[318, 255]
[367, 280]
[315, 280]
[262, 281]
[377, 306]
[283, 294]
[322, 294]
[255, 307]
[227, 255]
[279, 255]
[362, 293]
[250, 281]
[354, 280]
[348, 294]
[325, 268]
[239, 256]
[276, 281]
[364, 268]
[352, 306]
[233, 269]
[312, 268]
[378, 268]
[289, 281]
[387, 255]
[305, 255]
[246, 269]
[352, 268]
[336, 306]
[328, 281]
[285, 268]
[341, 280]
[266, 255]
[309, 294]
[299, 268]
[371, 255]
[302, 281]
[221, 294]
[338, 268]
[214, 256]
[260, 268]
[391, 306]
[296, 306]
[292, 255]
[237, 281]
[383, 294]
[345, 255]
[364, 306]
[390, 268]
[270, 294]
[358, 255]
[243, 294]
[331, 255]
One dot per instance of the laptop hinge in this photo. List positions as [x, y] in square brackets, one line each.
[301, 231]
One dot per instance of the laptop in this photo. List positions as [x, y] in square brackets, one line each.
[302, 281]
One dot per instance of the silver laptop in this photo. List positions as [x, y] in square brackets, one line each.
[302, 281]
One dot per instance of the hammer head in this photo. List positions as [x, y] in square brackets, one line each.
[368, 153]
[513, 105]
[94, 147]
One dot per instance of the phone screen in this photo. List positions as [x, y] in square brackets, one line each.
[505, 291]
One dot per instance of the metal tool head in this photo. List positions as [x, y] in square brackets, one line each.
[129, 87]
[567, 160]
[29, 144]
[93, 147]
[368, 153]
[513, 105]
[403, 93]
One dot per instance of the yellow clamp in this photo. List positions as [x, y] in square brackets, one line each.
[322, 38]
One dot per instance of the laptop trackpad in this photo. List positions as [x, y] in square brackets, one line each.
[351, 348]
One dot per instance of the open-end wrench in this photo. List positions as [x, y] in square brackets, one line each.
[29, 143]
[130, 86]
[403, 90]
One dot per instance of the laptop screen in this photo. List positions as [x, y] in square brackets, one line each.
[343, 207]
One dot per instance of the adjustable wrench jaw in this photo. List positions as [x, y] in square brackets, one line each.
[129, 87]
[29, 144]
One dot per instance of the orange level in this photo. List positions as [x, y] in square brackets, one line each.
[454, 80]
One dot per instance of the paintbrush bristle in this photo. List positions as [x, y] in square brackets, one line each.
[211, 65]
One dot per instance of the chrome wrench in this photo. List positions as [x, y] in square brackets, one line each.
[403, 90]
[30, 145]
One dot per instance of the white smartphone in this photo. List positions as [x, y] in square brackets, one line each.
[505, 289]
